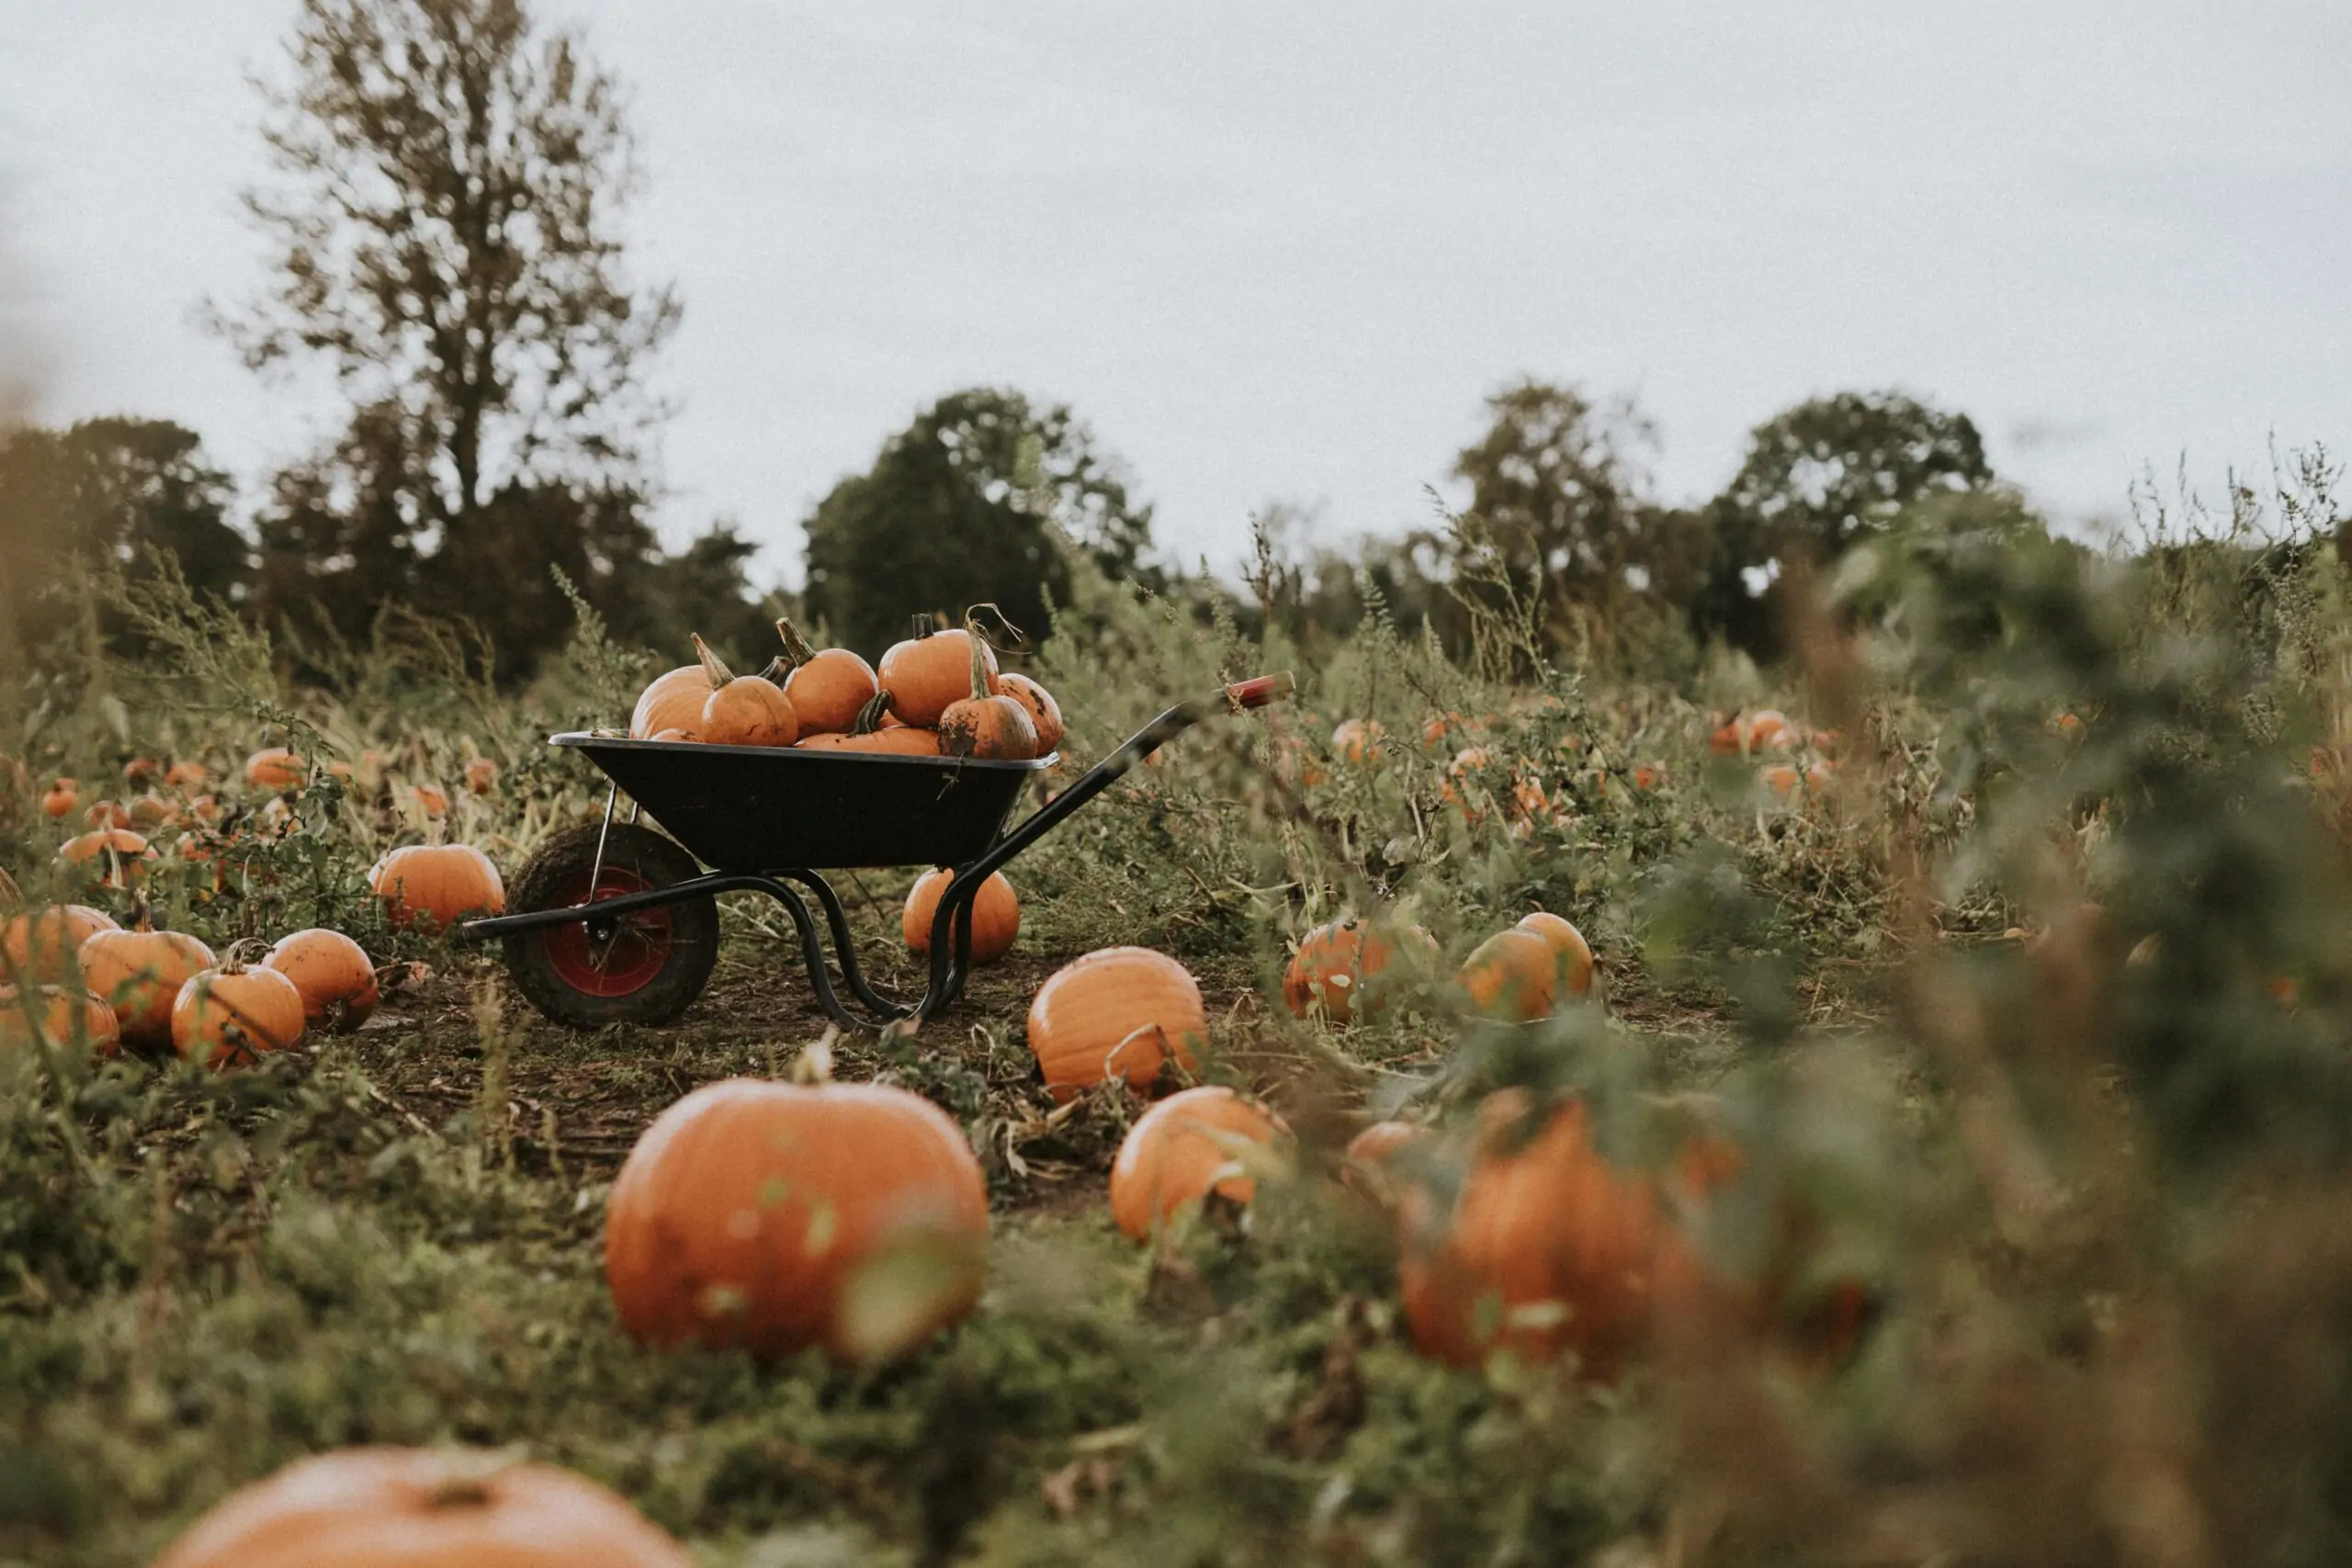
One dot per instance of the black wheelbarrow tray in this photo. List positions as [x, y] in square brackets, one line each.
[617, 923]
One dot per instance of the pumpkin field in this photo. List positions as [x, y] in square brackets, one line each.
[1895, 1110]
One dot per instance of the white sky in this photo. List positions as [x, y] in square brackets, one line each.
[1281, 251]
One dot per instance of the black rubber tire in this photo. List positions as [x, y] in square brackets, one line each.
[549, 878]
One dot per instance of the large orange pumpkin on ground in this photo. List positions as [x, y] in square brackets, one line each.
[332, 971]
[235, 1013]
[996, 915]
[43, 946]
[1192, 1144]
[924, 675]
[274, 768]
[432, 887]
[116, 854]
[1573, 954]
[772, 1217]
[420, 1509]
[673, 701]
[140, 973]
[1119, 1012]
[65, 1019]
[1548, 1249]
[1337, 965]
[1513, 975]
[1367, 1167]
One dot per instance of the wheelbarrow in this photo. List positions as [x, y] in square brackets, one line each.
[617, 923]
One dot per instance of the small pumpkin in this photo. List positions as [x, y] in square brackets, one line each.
[1821, 776]
[185, 776]
[432, 887]
[45, 945]
[235, 1013]
[743, 710]
[332, 973]
[274, 768]
[772, 1217]
[118, 852]
[1044, 711]
[1512, 974]
[1118, 1012]
[1780, 779]
[827, 687]
[1547, 1249]
[1367, 1167]
[59, 799]
[1570, 950]
[137, 772]
[432, 800]
[148, 812]
[927, 674]
[140, 973]
[385, 1507]
[1193, 1144]
[986, 725]
[66, 1017]
[871, 733]
[482, 776]
[1358, 739]
[1337, 965]
[996, 915]
[107, 814]
[673, 701]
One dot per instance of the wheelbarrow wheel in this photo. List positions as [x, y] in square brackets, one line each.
[646, 966]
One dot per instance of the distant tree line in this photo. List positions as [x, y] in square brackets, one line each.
[445, 230]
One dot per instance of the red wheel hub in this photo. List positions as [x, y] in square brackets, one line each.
[615, 957]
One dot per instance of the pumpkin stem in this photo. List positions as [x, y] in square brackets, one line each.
[797, 651]
[1014, 636]
[869, 717]
[142, 914]
[243, 955]
[924, 626]
[711, 665]
[814, 1066]
[980, 688]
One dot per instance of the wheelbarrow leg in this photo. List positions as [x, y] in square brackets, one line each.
[837, 918]
[812, 956]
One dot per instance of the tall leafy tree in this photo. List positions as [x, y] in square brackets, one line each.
[446, 219]
[1817, 477]
[978, 501]
[102, 495]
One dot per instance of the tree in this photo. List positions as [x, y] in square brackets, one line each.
[976, 502]
[102, 494]
[448, 248]
[1817, 477]
[1560, 489]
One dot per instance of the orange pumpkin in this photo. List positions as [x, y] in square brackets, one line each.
[996, 915]
[388, 1508]
[743, 710]
[672, 702]
[116, 852]
[185, 776]
[1512, 974]
[59, 799]
[332, 973]
[828, 688]
[45, 947]
[235, 1013]
[1192, 1144]
[1358, 739]
[274, 768]
[1336, 965]
[432, 800]
[1119, 1012]
[1648, 776]
[1820, 776]
[871, 733]
[1547, 1249]
[986, 724]
[433, 886]
[1570, 950]
[67, 1017]
[148, 812]
[140, 973]
[772, 1217]
[107, 814]
[1780, 779]
[927, 676]
[482, 776]
[1367, 1166]
[1045, 713]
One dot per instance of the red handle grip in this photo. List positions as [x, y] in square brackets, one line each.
[1258, 693]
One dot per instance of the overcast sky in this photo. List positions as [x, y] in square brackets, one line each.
[1281, 251]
